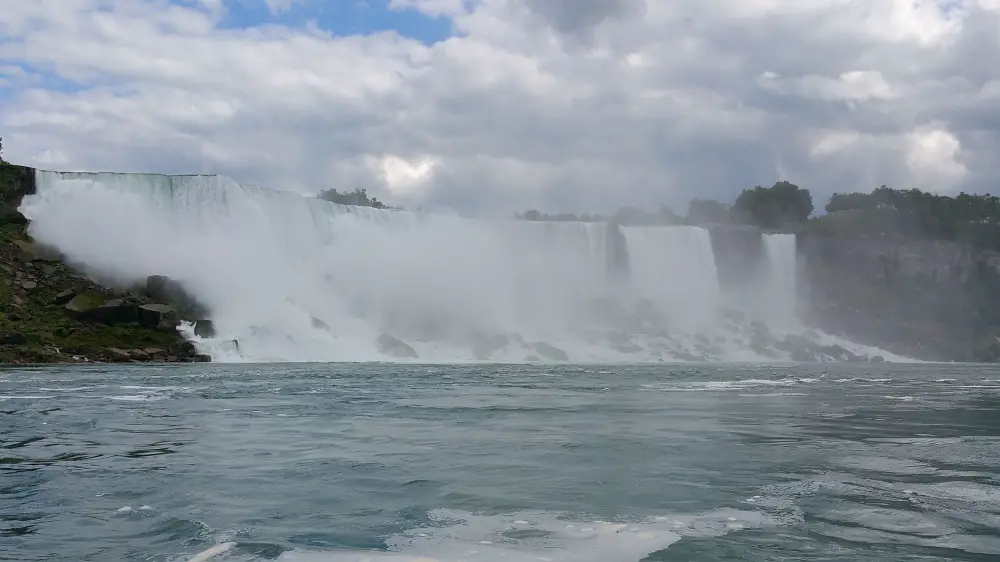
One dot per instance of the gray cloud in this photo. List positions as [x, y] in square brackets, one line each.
[583, 15]
[576, 106]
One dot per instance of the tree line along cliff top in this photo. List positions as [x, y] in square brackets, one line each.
[969, 219]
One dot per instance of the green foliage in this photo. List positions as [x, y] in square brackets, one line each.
[358, 197]
[707, 211]
[782, 205]
[965, 218]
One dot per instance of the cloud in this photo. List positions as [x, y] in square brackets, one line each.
[528, 104]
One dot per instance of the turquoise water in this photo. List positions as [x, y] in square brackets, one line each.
[353, 462]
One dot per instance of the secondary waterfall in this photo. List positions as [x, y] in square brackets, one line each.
[674, 267]
[295, 278]
[780, 286]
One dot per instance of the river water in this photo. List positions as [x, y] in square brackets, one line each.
[349, 462]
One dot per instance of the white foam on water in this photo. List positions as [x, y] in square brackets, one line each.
[538, 536]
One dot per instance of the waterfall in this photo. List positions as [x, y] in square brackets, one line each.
[780, 279]
[268, 262]
[296, 278]
[674, 267]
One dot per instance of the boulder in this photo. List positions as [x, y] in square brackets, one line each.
[165, 289]
[202, 358]
[187, 349]
[154, 351]
[29, 284]
[800, 349]
[138, 355]
[838, 353]
[204, 329]
[118, 355]
[89, 307]
[550, 351]
[151, 315]
[395, 347]
[63, 297]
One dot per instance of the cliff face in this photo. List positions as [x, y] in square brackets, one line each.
[50, 313]
[925, 299]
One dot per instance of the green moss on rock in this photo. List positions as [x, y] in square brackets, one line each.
[51, 314]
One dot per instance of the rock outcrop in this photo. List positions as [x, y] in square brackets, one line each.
[50, 313]
[394, 347]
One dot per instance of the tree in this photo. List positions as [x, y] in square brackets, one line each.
[358, 197]
[707, 211]
[781, 205]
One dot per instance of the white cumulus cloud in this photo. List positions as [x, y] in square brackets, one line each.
[577, 106]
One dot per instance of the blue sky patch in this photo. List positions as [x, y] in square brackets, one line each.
[339, 17]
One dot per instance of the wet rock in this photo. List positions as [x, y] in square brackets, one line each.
[202, 358]
[171, 359]
[63, 297]
[395, 347]
[167, 290]
[876, 359]
[116, 311]
[151, 315]
[154, 351]
[319, 324]
[119, 355]
[138, 355]
[112, 312]
[29, 284]
[550, 351]
[187, 349]
[204, 329]
[761, 338]
[838, 353]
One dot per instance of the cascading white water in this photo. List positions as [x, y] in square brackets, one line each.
[268, 262]
[780, 280]
[295, 278]
[674, 267]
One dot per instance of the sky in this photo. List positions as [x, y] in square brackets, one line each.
[486, 107]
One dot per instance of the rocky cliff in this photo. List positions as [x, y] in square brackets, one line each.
[924, 299]
[51, 313]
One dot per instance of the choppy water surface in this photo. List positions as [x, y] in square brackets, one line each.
[489, 463]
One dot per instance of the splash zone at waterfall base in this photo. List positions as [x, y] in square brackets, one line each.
[296, 278]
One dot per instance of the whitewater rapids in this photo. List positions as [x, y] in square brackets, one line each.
[295, 278]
